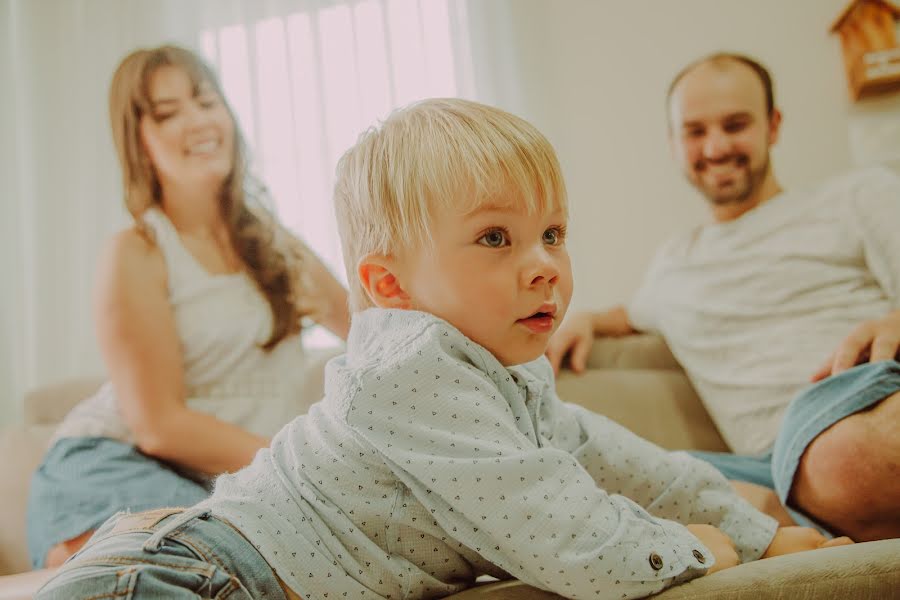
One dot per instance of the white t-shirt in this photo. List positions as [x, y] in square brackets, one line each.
[428, 463]
[221, 321]
[752, 307]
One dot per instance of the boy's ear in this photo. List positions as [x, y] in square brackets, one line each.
[376, 274]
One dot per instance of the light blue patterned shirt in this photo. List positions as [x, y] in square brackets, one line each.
[428, 464]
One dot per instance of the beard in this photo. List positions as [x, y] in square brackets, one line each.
[749, 180]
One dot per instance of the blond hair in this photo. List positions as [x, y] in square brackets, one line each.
[444, 152]
[252, 231]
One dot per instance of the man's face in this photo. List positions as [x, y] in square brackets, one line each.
[499, 275]
[721, 132]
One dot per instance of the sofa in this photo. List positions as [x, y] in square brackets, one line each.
[633, 380]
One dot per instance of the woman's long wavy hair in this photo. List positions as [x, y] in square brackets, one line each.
[253, 232]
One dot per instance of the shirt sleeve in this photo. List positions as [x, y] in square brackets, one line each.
[875, 210]
[670, 485]
[464, 446]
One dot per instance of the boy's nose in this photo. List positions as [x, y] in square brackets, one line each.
[542, 268]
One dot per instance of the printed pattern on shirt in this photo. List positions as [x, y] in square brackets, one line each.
[428, 463]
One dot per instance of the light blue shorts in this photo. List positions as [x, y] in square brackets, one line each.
[183, 554]
[816, 409]
[84, 481]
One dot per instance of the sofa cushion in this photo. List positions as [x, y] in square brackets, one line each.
[659, 405]
[869, 571]
[643, 351]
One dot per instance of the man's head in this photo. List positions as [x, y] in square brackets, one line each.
[722, 122]
[458, 209]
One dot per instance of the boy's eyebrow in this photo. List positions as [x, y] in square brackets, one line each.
[486, 208]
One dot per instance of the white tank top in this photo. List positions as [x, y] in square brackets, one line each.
[221, 321]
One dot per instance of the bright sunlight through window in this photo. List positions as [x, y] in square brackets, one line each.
[305, 85]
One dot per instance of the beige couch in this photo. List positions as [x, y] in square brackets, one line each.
[634, 381]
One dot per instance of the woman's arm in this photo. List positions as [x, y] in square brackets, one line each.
[335, 313]
[329, 303]
[137, 334]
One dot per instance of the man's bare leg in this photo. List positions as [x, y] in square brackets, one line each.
[849, 476]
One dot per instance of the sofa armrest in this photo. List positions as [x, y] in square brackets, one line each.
[640, 351]
[22, 448]
[49, 404]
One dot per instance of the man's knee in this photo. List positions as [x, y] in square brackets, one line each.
[847, 477]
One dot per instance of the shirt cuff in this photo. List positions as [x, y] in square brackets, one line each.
[750, 530]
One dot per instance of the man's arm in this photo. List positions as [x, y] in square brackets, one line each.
[874, 210]
[575, 336]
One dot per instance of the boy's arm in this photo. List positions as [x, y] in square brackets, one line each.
[670, 485]
[468, 452]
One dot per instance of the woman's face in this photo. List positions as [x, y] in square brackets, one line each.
[188, 132]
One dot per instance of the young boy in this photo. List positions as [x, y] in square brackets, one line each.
[440, 451]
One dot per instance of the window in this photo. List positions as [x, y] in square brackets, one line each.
[305, 84]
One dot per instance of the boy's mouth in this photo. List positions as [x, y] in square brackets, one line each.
[541, 321]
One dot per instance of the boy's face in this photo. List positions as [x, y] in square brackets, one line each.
[498, 274]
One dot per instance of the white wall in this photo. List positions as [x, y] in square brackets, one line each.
[58, 166]
[595, 73]
[591, 74]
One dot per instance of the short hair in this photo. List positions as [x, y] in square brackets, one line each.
[443, 151]
[719, 58]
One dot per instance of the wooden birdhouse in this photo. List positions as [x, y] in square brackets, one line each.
[868, 30]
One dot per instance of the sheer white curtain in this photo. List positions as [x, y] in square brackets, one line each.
[305, 77]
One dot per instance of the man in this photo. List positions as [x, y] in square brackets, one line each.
[752, 303]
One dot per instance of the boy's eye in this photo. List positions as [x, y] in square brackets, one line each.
[554, 236]
[495, 238]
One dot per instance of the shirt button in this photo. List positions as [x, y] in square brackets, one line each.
[656, 561]
[699, 556]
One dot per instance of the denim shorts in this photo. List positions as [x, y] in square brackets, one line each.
[83, 481]
[816, 409]
[165, 553]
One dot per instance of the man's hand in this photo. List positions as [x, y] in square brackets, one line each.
[574, 337]
[719, 544]
[871, 341]
[788, 540]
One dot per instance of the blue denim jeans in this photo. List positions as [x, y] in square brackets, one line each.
[165, 553]
[816, 409]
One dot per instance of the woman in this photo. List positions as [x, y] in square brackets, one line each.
[198, 310]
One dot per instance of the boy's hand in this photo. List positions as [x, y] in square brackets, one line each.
[788, 540]
[719, 544]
